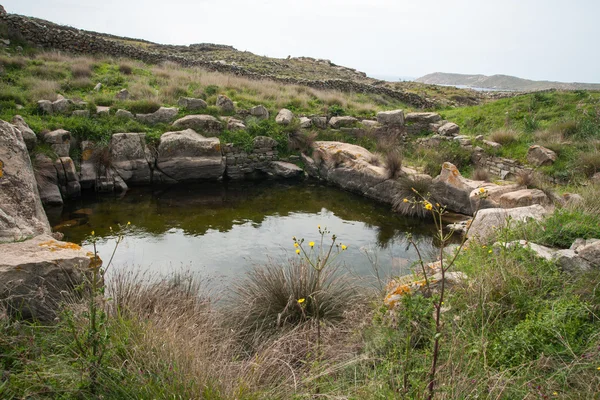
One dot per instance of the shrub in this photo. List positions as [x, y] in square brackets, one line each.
[41, 89]
[142, 106]
[267, 299]
[504, 136]
[81, 70]
[589, 163]
[48, 71]
[433, 158]
[125, 68]
[393, 163]
[481, 174]
[211, 90]
[301, 140]
[407, 187]
[530, 123]
[11, 63]
[336, 110]
[525, 178]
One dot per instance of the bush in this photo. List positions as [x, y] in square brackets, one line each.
[504, 136]
[142, 106]
[393, 163]
[589, 163]
[433, 158]
[125, 68]
[211, 90]
[407, 187]
[267, 300]
[301, 141]
[481, 174]
[81, 70]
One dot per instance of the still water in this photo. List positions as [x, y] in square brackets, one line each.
[221, 229]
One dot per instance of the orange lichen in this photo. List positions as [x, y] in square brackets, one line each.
[87, 154]
[1, 169]
[53, 245]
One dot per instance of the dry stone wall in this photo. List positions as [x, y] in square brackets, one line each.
[52, 36]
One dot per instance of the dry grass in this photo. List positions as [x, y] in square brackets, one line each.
[589, 162]
[82, 69]
[504, 136]
[411, 189]
[13, 62]
[393, 163]
[525, 178]
[41, 89]
[481, 174]
[302, 141]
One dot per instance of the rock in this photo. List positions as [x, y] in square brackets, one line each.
[131, 158]
[523, 198]
[493, 194]
[81, 113]
[319, 122]
[591, 253]
[200, 123]
[569, 261]
[540, 156]
[305, 122]
[463, 140]
[596, 178]
[572, 198]
[264, 142]
[35, 275]
[284, 117]
[578, 244]
[162, 115]
[47, 181]
[491, 144]
[367, 123]
[259, 112]
[61, 106]
[540, 251]
[60, 141]
[21, 211]
[189, 156]
[280, 169]
[124, 114]
[395, 117]
[491, 219]
[45, 106]
[28, 135]
[449, 129]
[102, 110]
[98, 87]
[423, 117]
[122, 94]
[225, 103]
[479, 138]
[192, 104]
[234, 124]
[67, 177]
[88, 174]
[338, 122]
[453, 190]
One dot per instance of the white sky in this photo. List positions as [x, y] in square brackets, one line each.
[534, 39]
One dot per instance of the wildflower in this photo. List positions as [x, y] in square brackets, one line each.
[405, 200]
[311, 244]
[302, 300]
[344, 247]
[92, 233]
[318, 226]
[428, 206]
[128, 222]
[555, 393]
[296, 245]
[490, 251]
[298, 251]
[481, 190]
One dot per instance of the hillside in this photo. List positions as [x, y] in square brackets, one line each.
[501, 82]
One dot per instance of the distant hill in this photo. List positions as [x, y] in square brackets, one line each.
[501, 82]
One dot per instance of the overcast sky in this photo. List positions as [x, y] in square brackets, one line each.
[534, 39]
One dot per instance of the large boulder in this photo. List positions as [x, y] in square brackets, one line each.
[493, 192]
[189, 156]
[162, 115]
[395, 117]
[225, 103]
[339, 122]
[192, 104]
[131, 158]
[36, 274]
[61, 106]
[492, 219]
[21, 211]
[59, 141]
[67, 177]
[540, 156]
[28, 135]
[284, 117]
[259, 112]
[523, 198]
[200, 123]
[47, 181]
[590, 252]
[453, 190]
[45, 106]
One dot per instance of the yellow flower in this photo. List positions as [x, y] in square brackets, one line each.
[302, 300]
[128, 222]
[490, 251]
[92, 233]
[481, 190]
[296, 245]
[311, 244]
[318, 226]
[428, 206]
[297, 251]
[555, 393]
[344, 247]
[405, 200]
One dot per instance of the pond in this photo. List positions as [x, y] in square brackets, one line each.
[221, 229]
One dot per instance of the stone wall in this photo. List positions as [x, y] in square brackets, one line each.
[504, 168]
[240, 162]
[52, 36]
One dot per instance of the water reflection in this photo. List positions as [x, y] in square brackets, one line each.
[221, 228]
